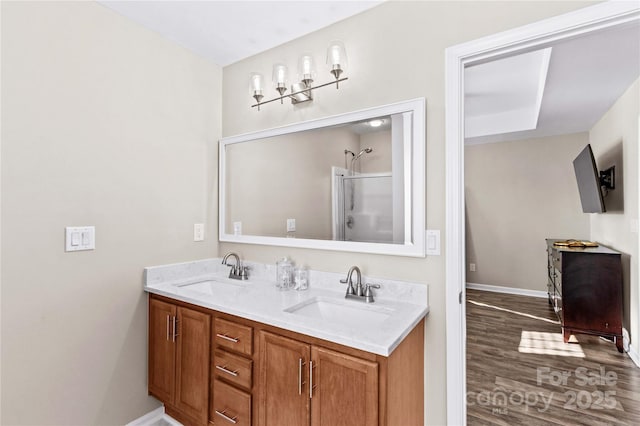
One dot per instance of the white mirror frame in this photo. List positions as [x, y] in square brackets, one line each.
[416, 188]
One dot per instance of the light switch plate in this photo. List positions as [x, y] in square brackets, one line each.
[291, 225]
[433, 242]
[79, 238]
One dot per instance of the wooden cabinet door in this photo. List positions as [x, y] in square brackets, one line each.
[345, 390]
[162, 350]
[283, 393]
[192, 363]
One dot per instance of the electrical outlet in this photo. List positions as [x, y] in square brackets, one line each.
[472, 267]
[198, 232]
[291, 225]
[237, 228]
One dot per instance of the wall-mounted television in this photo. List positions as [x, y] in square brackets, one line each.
[589, 182]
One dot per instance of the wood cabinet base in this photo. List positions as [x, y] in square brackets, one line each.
[260, 375]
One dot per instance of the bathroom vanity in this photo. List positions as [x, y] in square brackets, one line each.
[234, 352]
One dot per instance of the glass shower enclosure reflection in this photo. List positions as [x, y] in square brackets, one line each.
[363, 207]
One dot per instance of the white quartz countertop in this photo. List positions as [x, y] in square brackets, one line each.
[377, 327]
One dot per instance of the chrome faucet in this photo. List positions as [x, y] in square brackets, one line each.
[358, 293]
[237, 272]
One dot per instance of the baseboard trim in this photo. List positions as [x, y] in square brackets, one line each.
[508, 290]
[633, 354]
[154, 417]
[148, 418]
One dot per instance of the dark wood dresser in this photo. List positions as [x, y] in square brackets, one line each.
[585, 290]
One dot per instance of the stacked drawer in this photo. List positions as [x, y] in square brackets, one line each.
[232, 373]
[556, 267]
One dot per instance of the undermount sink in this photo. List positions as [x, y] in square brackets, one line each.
[210, 287]
[341, 311]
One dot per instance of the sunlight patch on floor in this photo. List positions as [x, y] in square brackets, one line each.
[543, 343]
[514, 312]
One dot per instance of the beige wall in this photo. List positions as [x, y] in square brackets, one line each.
[517, 194]
[103, 123]
[614, 140]
[403, 61]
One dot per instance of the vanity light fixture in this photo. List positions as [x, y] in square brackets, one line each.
[256, 87]
[280, 79]
[302, 91]
[337, 59]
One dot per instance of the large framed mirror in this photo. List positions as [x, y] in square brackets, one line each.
[350, 182]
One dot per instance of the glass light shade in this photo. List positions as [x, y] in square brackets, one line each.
[306, 68]
[256, 83]
[337, 56]
[280, 75]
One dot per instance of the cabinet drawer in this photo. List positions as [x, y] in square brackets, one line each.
[232, 368]
[236, 337]
[230, 405]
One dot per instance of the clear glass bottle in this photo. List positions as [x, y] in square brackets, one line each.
[301, 278]
[284, 274]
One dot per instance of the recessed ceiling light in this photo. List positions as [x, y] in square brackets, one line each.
[376, 123]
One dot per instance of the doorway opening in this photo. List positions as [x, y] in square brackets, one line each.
[534, 37]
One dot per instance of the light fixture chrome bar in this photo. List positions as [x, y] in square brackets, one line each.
[300, 91]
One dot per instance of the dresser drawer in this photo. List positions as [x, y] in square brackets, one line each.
[230, 405]
[557, 260]
[232, 368]
[235, 337]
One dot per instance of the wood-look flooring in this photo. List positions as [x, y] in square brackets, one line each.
[519, 372]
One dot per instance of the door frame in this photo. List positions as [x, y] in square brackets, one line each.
[526, 38]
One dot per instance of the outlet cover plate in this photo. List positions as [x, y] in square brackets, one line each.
[198, 232]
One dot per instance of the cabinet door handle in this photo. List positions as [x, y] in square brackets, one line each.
[175, 328]
[225, 337]
[227, 418]
[300, 383]
[224, 369]
[310, 379]
[168, 320]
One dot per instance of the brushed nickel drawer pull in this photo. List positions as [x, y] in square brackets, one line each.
[224, 369]
[225, 337]
[227, 418]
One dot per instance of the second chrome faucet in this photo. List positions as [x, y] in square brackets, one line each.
[358, 292]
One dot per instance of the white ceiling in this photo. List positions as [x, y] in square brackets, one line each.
[586, 76]
[228, 31]
[505, 95]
